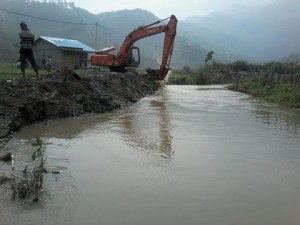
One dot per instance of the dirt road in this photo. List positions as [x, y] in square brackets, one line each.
[65, 94]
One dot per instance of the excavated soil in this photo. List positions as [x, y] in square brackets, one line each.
[66, 94]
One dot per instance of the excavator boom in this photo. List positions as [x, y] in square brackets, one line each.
[124, 57]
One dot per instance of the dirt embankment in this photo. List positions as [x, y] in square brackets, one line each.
[65, 94]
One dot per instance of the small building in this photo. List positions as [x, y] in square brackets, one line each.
[63, 52]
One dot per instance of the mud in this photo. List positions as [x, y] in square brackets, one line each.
[66, 94]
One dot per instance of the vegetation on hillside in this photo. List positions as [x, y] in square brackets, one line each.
[255, 34]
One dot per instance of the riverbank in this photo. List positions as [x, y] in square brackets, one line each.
[284, 94]
[274, 82]
[66, 94]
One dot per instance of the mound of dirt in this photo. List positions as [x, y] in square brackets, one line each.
[66, 94]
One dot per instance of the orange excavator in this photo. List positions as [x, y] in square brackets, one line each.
[129, 55]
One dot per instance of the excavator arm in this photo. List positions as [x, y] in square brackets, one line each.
[124, 57]
[169, 39]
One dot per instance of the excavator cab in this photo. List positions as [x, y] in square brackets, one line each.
[133, 58]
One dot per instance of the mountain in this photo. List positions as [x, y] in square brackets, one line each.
[266, 33]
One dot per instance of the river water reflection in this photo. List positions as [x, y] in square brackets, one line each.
[187, 155]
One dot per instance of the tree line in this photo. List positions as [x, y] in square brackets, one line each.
[57, 2]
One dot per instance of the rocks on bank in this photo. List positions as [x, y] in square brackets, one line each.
[66, 94]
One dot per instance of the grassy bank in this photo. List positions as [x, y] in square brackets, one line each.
[275, 82]
[215, 73]
[282, 93]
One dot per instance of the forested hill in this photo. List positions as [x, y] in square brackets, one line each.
[64, 20]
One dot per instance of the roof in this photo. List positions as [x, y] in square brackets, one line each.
[66, 43]
[106, 50]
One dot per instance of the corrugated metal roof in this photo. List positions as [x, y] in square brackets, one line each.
[60, 42]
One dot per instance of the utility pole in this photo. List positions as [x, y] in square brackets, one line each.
[96, 38]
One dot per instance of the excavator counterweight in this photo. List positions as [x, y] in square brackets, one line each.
[129, 55]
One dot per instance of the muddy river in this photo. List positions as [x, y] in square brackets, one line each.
[187, 155]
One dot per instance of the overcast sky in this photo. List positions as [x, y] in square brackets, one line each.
[164, 8]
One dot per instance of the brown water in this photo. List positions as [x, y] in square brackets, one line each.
[185, 156]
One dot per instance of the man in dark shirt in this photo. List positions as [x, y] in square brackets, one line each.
[26, 53]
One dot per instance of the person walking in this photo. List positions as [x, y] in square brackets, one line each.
[26, 53]
[48, 63]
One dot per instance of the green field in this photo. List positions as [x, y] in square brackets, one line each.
[11, 72]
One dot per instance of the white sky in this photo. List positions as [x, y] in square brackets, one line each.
[164, 8]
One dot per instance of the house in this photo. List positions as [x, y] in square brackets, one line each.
[63, 52]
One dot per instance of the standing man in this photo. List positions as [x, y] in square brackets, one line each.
[48, 63]
[27, 39]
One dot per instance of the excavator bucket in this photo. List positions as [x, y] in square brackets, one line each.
[158, 74]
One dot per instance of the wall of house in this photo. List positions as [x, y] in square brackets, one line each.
[61, 57]
[42, 49]
[75, 59]
[71, 59]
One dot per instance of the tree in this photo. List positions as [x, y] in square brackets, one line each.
[209, 56]
[186, 70]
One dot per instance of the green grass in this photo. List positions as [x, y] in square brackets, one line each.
[284, 94]
[177, 78]
[12, 72]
